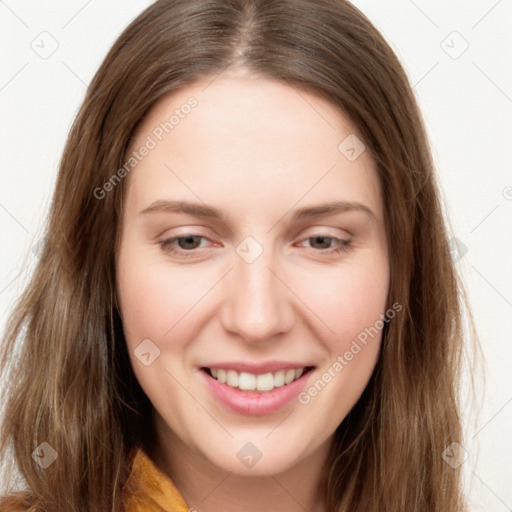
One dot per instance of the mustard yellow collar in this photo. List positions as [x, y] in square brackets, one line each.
[148, 489]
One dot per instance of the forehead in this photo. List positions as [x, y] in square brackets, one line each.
[253, 138]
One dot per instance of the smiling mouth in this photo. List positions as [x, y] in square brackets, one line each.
[262, 383]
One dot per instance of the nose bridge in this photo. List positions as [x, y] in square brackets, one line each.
[257, 306]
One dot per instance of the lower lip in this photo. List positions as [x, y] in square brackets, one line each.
[255, 403]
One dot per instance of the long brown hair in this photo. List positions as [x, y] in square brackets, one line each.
[71, 384]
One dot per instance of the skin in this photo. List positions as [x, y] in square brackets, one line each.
[257, 150]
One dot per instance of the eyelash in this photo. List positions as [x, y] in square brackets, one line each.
[166, 245]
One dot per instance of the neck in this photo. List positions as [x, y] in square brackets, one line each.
[208, 488]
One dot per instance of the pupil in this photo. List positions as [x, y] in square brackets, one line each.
[320, 238]
[188, 240]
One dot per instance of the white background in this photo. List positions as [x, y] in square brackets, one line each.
[466, 100]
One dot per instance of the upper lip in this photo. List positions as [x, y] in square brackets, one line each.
[257, 368]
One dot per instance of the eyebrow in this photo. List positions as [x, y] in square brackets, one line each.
[209, 212]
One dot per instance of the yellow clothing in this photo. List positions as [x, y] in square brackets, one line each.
[148, 489]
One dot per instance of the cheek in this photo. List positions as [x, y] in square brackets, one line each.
[154, 300]
[347, 301]
[155, 304]
[351, 304]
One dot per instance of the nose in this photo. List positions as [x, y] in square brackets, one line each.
[257, 304]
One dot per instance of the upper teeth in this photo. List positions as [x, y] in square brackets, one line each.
[249, 381]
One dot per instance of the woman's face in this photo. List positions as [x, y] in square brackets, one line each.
[253, 247]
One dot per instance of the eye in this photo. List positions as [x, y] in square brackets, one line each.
[340, 245]
[182, 245]
[187, 245]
